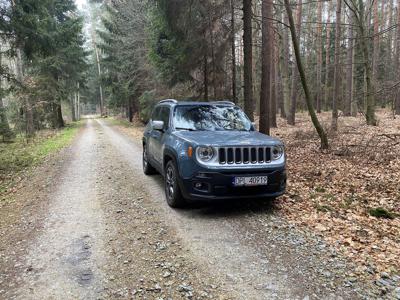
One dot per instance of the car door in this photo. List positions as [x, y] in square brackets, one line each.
[159, 136]
[150, 143]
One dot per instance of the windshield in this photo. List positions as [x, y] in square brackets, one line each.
[211, 118]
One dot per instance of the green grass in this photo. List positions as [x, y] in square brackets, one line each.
[380, 212]
[323, 208]
[20, 155]
[118, 122]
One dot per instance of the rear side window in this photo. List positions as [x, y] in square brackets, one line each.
[164, 116]
[156, 114]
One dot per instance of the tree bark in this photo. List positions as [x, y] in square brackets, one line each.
[98, 63]
[273, 101]
[78, 102]
[397, 60]
[278, 77]
[390, 33]
[319, 56]
[285, 67]
[314, 118]
[336, 76]
[349, 107]
[60, 121]
[327, 54]
[4, 126]
[214, 69]
[295, 74]
[248, 59]
[266, 55]
[375, 56]
[233, 32]
[73, 107]
[29, 128]
[28, 110]
[205, 78]
[370, 103]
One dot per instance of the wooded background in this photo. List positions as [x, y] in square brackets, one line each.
[273, 58]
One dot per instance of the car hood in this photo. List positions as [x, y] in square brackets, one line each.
[227, 138]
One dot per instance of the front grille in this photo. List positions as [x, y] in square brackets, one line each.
[244, 155]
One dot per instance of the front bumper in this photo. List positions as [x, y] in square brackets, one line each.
[217, 185]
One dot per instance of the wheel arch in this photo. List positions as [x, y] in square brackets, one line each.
[169, 155]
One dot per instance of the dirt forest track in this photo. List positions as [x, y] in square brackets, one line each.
[104, 231]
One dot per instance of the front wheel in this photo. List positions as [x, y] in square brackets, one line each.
[172, 190]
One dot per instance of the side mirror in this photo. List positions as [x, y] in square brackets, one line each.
[157, 125]
[254, 125]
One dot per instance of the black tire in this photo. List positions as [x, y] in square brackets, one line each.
[173, 192]
[148, 169]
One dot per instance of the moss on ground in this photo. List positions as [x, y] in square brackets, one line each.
[20, 155]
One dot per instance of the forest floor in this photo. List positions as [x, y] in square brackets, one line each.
[349, 195]
[19, 156]
[89, 225]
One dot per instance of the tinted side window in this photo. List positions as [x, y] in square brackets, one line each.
[156, 114]
[164, 116]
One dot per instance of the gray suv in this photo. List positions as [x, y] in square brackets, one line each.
[210, 151]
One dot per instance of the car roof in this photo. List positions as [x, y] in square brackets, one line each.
[172, 102]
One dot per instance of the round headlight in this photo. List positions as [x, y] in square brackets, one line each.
[205, 153]
[277, 152]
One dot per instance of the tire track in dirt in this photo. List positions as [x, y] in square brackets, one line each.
[64, 261]
[212, 237]
[256, 253]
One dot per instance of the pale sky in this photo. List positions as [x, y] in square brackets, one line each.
[80, 3]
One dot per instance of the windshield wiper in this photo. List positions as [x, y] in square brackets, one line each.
[188, 129]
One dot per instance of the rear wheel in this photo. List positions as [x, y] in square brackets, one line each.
[172, 190]
[147, 167]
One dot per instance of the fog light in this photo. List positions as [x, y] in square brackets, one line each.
[201, 186]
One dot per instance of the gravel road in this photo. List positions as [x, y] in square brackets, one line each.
[107, 233]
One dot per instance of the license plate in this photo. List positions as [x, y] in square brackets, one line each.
[250, 181]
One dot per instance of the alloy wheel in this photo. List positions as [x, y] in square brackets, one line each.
[170, 182]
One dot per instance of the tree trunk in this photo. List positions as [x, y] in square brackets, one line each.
[214, 69]
[295, 73]
[98, 63]
[266, 56]
[314, 118]
[273, 101]
[256, 56]
[130, 113]
[100, 85]
[73, 107]
[370, 105]
[375, 56]
[319, 56]
[78, 103]
[30, 128]
[248, 59]
[349, 107]
[205, 78]
[233, 32]
[59, 120]
[285, 58]
[4, 126]
[397, 60]
[327, 55]
[278, 77]
[390, 33]
[336, 76]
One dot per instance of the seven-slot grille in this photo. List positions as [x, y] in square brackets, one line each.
[244, 155]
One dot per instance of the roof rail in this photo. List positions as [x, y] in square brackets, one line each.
[168, 101]
[224, 102]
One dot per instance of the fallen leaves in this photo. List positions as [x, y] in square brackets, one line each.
[333, 194]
